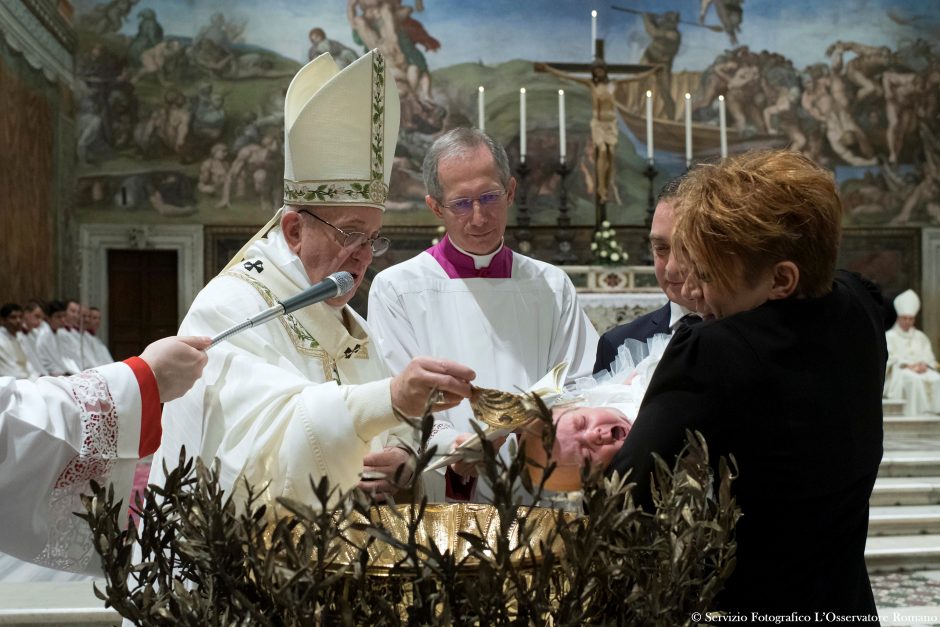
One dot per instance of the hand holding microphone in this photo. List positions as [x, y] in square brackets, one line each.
[336, 284]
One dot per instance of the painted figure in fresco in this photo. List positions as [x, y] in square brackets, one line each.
[741, 78]
[209, 119]
[663, 29]
[906, 94]
[170, 124]
[389, 26]
[169, 197]
[730, 13]
[780, 83]
[149, 34]
[926, 193]
[866, 68]
[213, 48]
[319, 43]
[823, 99]
[158, 59]
[214, 170]
[257, 164]
[107, 18]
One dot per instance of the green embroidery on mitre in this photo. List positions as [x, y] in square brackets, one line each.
[339, 142]
[310, 192]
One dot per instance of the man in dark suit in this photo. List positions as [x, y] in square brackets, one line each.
[669, 277]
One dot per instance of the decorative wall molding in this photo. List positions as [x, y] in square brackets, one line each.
[97, 239]
[29, 36]
[930, 298]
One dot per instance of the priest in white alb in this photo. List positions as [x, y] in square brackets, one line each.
[912, 368]
[472, 299]
[308, 395]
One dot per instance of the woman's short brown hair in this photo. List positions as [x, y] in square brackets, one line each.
[754, 210]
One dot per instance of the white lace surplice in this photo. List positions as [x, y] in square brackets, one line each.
[56, 435]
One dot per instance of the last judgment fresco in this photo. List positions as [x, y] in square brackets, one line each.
[180, 103]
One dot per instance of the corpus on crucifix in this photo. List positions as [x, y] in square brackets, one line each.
[604, 117]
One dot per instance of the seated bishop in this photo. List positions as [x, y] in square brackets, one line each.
[912, 368]
[307, 395]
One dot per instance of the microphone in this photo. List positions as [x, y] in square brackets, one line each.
[336, 284]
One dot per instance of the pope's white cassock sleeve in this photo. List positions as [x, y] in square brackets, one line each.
[511, 332]
[57, 434]
[269, 405]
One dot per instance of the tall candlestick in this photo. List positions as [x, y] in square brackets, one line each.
[480, 111]
[688, 130]
[522, 124]
[722, 126]
[649, 125]
[561, 124]
[593, 32]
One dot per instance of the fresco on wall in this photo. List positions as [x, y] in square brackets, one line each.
[180, 103]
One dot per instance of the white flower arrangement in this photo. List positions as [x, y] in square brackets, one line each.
[606, 249]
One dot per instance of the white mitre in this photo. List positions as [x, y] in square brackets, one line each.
[907, 303]
[340, 133]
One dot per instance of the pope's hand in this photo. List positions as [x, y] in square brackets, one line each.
[176, 363]
[470, 468]
[378, 472]
[412, 388]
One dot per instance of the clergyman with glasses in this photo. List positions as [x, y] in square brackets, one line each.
[472, 299]
[308, 395]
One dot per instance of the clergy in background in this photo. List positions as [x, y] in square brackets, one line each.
[912, 368]
[14, 361]
[471, 299]
[307, 395]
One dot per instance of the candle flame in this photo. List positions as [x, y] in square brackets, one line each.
[688, 96]
[593, 13]
[481, 88]
[522, 90]
[649, 94]
[561, 92]
[721, 97]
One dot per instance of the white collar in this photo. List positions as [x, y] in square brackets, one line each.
[480, 261]
[676, 313]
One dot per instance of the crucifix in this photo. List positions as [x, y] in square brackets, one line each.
[604, 118]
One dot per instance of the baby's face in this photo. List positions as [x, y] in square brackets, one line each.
[593, 433]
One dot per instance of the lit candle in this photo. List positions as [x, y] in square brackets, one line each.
[480, 112]
[649, 125]
[522, 124]
[722, 126]
[688, 130]
[561, 124]
[593, 32]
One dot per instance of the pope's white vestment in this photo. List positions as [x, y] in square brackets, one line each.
[921, 392]
[57, 434]
[298, 397]
[510, 331]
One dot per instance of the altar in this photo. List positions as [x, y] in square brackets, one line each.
[614, 295]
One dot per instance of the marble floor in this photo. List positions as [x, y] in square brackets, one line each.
[908, 598]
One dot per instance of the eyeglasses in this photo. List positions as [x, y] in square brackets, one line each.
[379, 245]
[463, 206]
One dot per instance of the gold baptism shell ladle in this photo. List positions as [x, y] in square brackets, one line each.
[503, 412]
